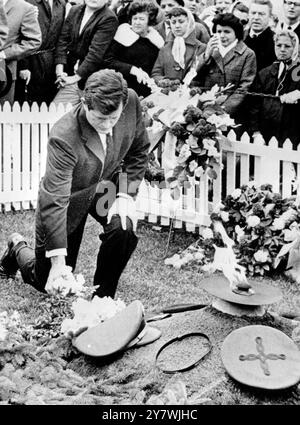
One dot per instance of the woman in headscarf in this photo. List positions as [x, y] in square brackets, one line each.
[227, 60]
[135, 47]
[279, 117]
[181, 49]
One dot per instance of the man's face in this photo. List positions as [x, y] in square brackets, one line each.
[167, 5]
[103, 123]
[292, 9]
[223, 6]
[95, 4]
[259, 17]
[193, 5]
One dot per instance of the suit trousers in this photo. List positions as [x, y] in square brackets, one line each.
[115, 250]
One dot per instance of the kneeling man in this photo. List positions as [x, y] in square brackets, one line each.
[87, 149]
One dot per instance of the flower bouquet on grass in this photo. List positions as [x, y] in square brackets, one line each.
[265, 230]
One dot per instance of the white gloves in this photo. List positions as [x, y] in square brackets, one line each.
[141, 76]
[25, 74]
[291, 97]
[124, 206]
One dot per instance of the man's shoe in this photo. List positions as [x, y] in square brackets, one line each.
[8, 262]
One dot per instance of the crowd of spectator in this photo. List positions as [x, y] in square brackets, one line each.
[48, 49]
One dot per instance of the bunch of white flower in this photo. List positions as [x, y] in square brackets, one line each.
[90, 313]
[66, 284]
[179, 260]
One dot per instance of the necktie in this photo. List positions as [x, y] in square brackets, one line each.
[109, 152]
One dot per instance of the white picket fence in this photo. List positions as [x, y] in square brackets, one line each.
[23, 145]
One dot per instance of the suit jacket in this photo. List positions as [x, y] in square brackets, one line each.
[24, 35]
[76, 164]
[263, 47]
[90, 45]
[165, 65]
[3, 25]
[238, 67]
[42, 87]
[202, 33]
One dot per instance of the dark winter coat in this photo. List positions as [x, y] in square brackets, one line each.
[263, 47]
[269, 115]
[90, 46]
[141, 53]
[165, 65]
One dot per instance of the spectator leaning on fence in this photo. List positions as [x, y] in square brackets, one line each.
[85, 150]
[24, 37]
[38, 69]
[278, 116]
[86, 35]
[260, 37]
[227, 60]
[181, 49]
[3, 25]
[135, 47]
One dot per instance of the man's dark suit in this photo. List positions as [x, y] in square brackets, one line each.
[263, 47]
[3, 25]
[41, 87]
[24, 36]
[75, 167]
[89, 47]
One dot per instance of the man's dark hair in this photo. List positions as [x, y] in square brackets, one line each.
[177, 11]
[264, 3]
[229, 20]
[105, 90]
[143, 6]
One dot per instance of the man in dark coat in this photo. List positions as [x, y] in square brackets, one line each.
[3, 25]
[85, 38]
[292, 17]
[260, 38]
[85, 150]
[38, 69]
[24, 37]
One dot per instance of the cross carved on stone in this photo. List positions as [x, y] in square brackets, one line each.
[262, 356]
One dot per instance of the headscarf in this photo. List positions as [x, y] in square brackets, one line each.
[179, 47]
[294, 39]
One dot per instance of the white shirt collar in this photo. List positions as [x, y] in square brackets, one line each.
[252, 33]
[103, 139]
[285, 26]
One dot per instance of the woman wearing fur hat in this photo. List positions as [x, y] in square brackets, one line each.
[135, 47]
[227, 60]
[181, 49]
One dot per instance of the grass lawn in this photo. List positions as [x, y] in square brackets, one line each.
[131, 377]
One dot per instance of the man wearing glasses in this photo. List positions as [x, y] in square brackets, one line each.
[291, 22]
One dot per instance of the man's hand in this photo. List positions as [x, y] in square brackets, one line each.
[25, 74]
[58, 269]
[291, 97]
[124, 206]
[66, 80]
